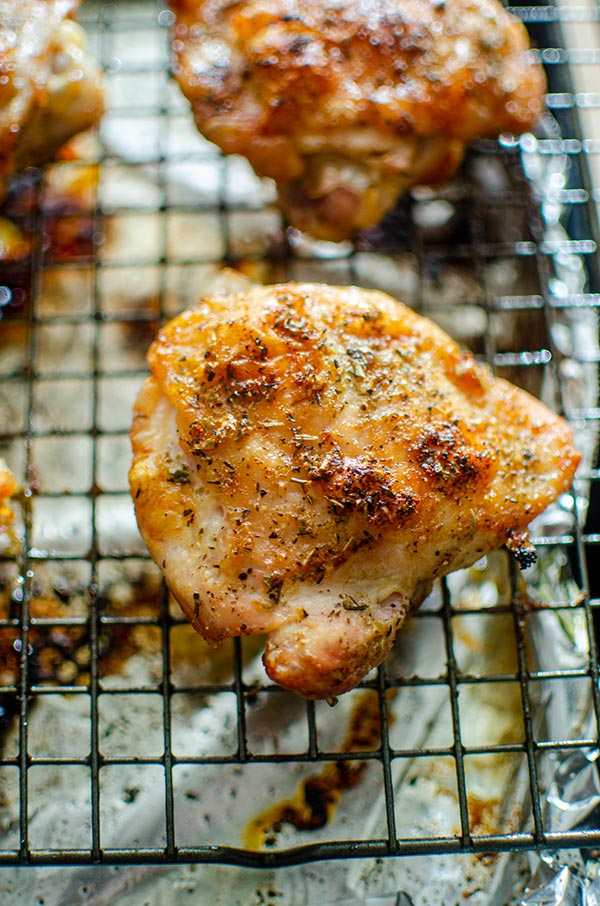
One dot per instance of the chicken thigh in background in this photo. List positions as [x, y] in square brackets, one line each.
[308, 459]
[50, 89]
[347, 104]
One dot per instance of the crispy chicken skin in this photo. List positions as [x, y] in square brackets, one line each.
[49, 88]
[348, 103]
[309, 458]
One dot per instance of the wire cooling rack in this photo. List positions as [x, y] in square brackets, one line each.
[99, 675]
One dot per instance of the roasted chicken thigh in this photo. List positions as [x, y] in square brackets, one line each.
[346, 104]
[50, 89]
[308, 459]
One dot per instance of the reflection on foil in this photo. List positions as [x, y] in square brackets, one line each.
[565, 888]
[574, 794]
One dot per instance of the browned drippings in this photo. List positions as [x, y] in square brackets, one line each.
[59, 653]
[483, 814]
[314, 804]
[55, 222]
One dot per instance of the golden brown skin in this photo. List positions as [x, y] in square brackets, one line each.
[346, 104]
[308, 459]
[49, 88]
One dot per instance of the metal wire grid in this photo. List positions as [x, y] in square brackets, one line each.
[104, 427]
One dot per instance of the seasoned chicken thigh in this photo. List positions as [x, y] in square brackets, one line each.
[308, 459]
[346, 104]
[50, 89]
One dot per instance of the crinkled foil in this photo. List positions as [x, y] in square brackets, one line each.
[218, 803]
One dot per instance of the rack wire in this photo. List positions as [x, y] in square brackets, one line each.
[81, 603]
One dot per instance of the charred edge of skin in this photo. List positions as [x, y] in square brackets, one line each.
[521, 548]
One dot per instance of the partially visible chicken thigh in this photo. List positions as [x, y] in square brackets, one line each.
[8, 487]
[308, 459]
[348, 103]
[50, 89]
